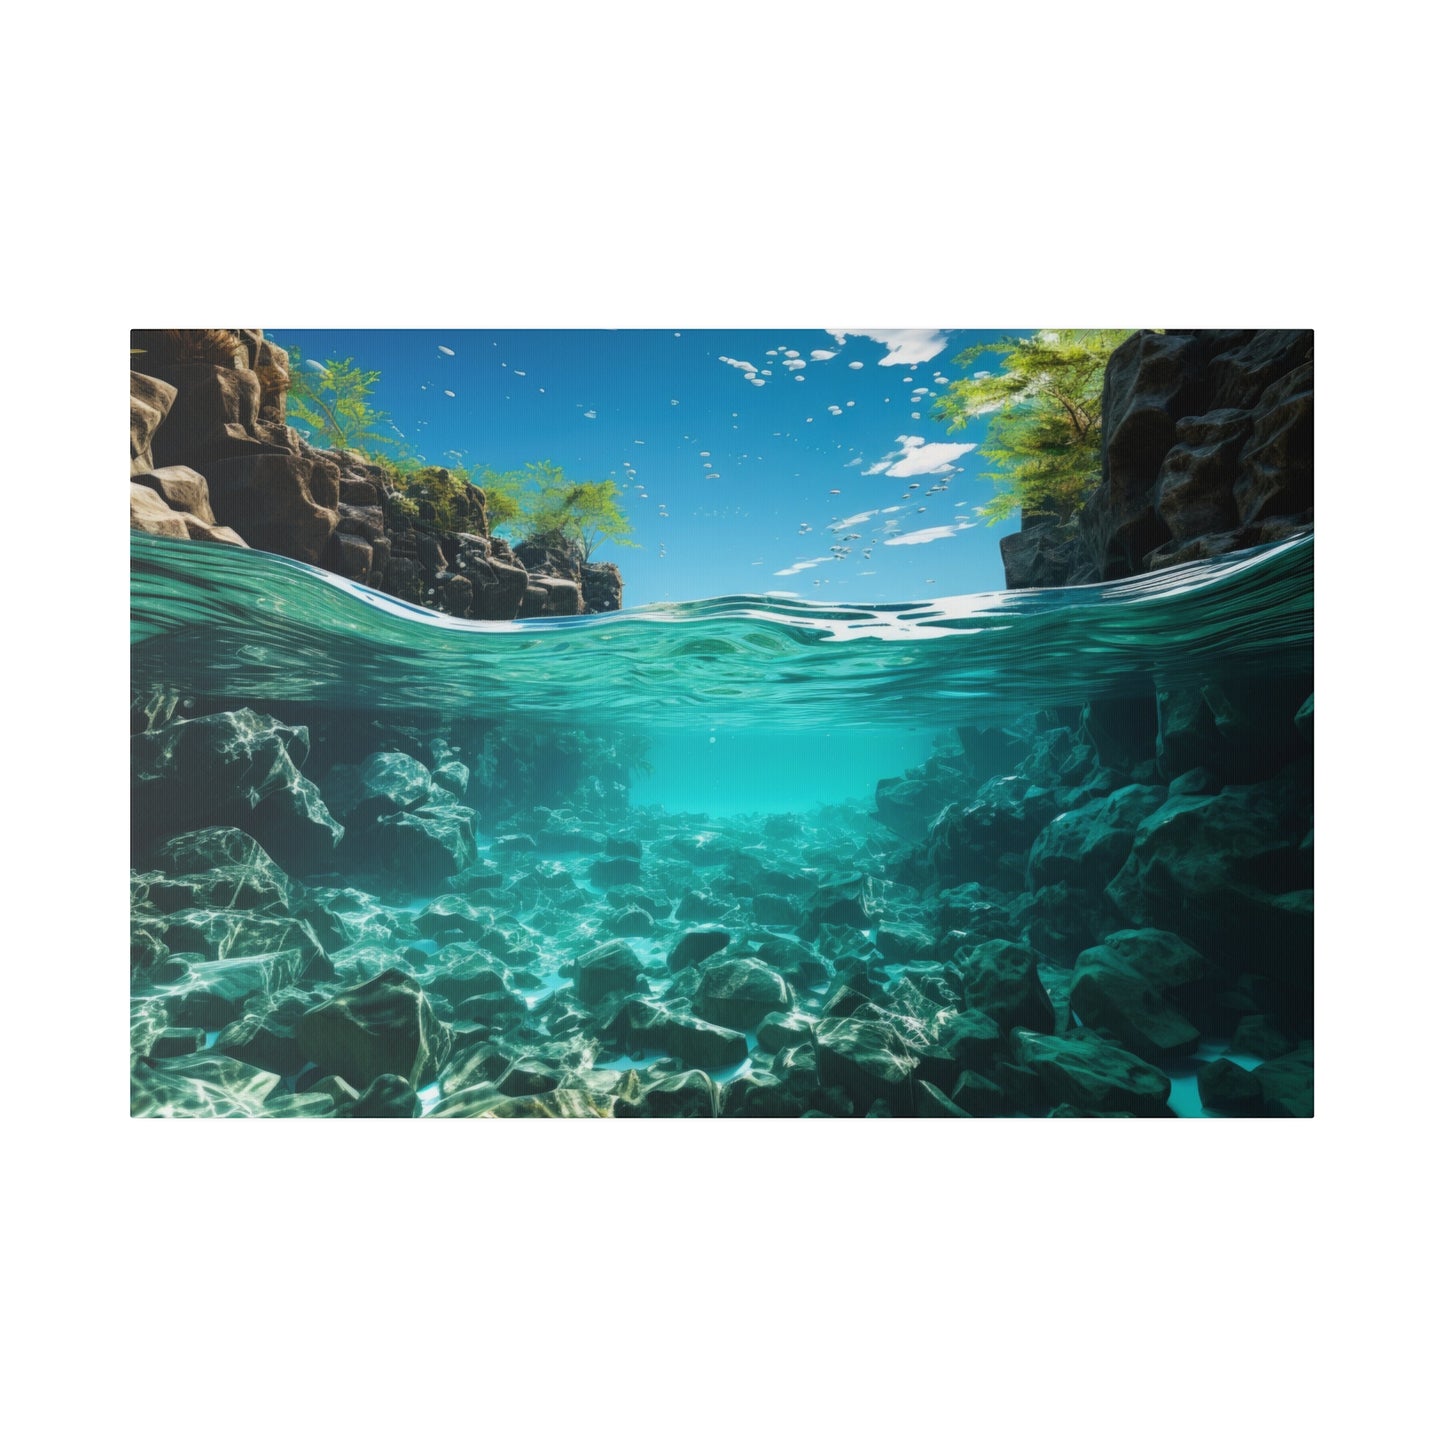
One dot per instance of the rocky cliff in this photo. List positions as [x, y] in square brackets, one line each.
[1207, 447]
[213, 459]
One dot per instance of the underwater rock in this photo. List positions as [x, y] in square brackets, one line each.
[1059, 920]
[1086, 847]
[695, 945]
[150, 401]
[774, 908]
[1225, 873]
[690, 1095]
[264, 1040]
[978, 1095]
[1090, 1073]
[338, 1091]
[630, 923]
[908, 804]
[238, 768]
[696, 907]
[211, 1085]
[206, 850]
[868, 1060]
[856, 903]
[1110, 997]
[1001, 979]
[609, 872]
[797, 962]
[1228, 1089]
[1287, 1084]
[782, 1030]
[425, 847]
[453, 776]
[1122, 730]
[738, 993]
[762, 1095]
[175, 1043]
[529, 1076]
[900, 942]
[971, 1038]
[987, 840]
[608, 968]
[226, 933]
[1256, 1035]
[212, 994]
[386, 782]
[382, 1026]
[697, 1044]
[485, 1103]
[217, 868]
[932, 1103]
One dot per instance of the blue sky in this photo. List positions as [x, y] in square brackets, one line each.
[789, 460]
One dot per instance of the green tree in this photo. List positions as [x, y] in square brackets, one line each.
[1043, 403]
[540, 499]
[336, 403]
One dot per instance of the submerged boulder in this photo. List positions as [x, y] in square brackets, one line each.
[1001, 979]
[382, 1026]
[1110, 996]
[1090, 1073]
[868, 1060]
[1087, 846]
[238, 768]
[738, 993]
[609, 968]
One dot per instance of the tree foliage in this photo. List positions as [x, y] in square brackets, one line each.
[540, 499]
[1043, 404]
[336, 403]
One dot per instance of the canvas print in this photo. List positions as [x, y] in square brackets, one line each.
[791, 723]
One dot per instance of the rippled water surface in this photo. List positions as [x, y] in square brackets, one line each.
[250, 624]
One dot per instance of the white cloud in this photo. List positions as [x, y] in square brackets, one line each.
[905, 347]
[795, 363]
[928, 534]
[448, 393]
[828, 356]
[917, 458]
[855, 366]
[856, 520]
[856, 462]
[801, 566]
[446, 351]
[590, 415]
[741, 365]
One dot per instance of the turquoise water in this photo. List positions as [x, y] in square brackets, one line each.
[233, 623]
[734, 746]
